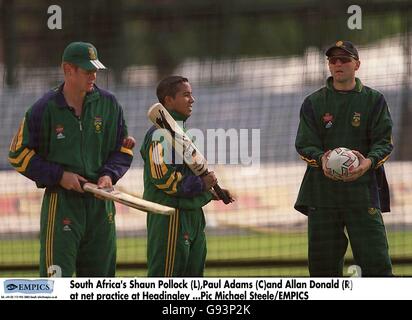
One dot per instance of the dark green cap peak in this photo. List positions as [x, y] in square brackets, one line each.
[83, 55]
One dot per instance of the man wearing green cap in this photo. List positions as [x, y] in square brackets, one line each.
[74, 133]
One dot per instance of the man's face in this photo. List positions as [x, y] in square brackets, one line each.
[342, 66]
[182, 102]
[82, 79]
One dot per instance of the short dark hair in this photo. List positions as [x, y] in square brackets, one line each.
[169, 86]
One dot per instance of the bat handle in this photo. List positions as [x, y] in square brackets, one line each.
[222, 195]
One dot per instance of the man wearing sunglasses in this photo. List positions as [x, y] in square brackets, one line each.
[345, 113]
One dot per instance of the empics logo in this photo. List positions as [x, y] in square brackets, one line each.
[11, 286]
[28, 286]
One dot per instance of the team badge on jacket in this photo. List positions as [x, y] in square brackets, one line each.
[328, 120]
[60, 132]
[98, 123]
[372, 211]
[66, 224]
[186, 237]
[356, 119]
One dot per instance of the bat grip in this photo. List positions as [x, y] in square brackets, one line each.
[222, 195]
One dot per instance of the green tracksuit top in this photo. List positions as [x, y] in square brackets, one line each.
[51, 139]
[359, 120]
[170, 183]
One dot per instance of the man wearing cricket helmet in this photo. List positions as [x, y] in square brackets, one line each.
[345, 113]
[74, 134]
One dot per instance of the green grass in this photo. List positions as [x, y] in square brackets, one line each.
[251, 246]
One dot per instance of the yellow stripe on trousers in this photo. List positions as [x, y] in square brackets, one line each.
[50, 231]
[171, 243]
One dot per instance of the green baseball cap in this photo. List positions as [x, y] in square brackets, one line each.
[83, 55]
[345, 46]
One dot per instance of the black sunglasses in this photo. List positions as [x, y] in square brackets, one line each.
[343, 59]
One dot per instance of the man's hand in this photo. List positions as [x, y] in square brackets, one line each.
[129, 142]
[104, 182]
[209, 180]
[364, 165]
[327, 171]
[225, 191]
[71, 181]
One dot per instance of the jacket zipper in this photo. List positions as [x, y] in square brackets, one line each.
[81, 139]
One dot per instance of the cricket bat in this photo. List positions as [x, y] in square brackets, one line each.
[181, 142]
[127, 199]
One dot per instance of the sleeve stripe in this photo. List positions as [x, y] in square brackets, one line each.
[157, 160]
[157, 165]
[167, 184]
[23, 167]
[174, 188]
[153, 168]
[127, 151]
[174, 178]
[20, 157]
[20, 135]
[17, 140]
[161, 164]
[311, 162]
[13, 144]
[382, 161]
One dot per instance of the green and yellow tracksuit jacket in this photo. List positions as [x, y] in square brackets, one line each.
[170, 183]
[51, 139]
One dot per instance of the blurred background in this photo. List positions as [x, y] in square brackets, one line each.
[250, 63]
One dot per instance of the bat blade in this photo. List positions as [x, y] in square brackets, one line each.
[194, 159]
[128, 200]
[182, 143]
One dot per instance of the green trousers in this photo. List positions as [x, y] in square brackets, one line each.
[328, 241]
[176, 245]
[77, 235]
